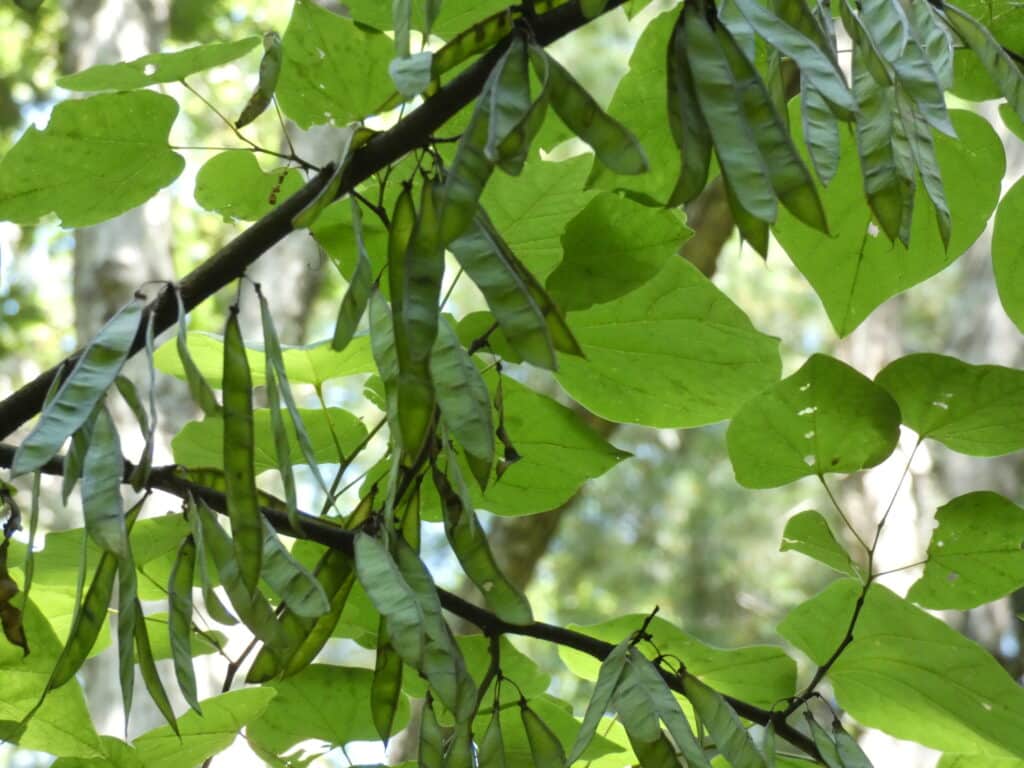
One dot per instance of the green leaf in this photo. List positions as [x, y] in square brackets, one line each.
[760, 674]
[969, 408]
[97, 158]
[559, 453]
[157, 67]
[233, 184]
[1011, 120]
[854, 270]
[647, 118]
[74, 403]
[297, 711]
[62, 725]
[545, 747]
[116, 754]
[313, 363]
[909, 674]
[612, 247]
[974, 555]
[454, 17]
[1007, 255]
[826, 417]
[673, 353]
[808, 532]
[531, 210]
[333, 70]
[203, 735]
[196, 444]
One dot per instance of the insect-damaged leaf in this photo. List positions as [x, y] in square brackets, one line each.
[826, 417]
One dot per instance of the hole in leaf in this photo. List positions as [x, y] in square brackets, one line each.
[809, 460]
[807, 411]
[149, 70]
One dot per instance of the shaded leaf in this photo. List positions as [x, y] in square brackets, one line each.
[969, 408]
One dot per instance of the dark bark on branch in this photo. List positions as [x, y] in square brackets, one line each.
[231, 261]
[328, 534]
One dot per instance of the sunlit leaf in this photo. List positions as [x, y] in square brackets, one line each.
[91, 149]
[157, 67]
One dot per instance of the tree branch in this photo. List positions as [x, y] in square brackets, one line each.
[230, 262]
[321, 531]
